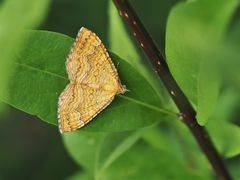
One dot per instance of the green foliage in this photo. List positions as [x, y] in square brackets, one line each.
[138, 136]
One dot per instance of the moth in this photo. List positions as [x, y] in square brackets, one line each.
[94, 82]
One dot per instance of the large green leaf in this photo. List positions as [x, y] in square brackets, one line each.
[39, 76]
[95, 151]
[194, 29]
[15, 16]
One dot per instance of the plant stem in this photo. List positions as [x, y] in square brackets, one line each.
[187, 113]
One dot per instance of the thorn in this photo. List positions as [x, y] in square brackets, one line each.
[181, 116]
[173, 93]
[118, 64]
[126, 15]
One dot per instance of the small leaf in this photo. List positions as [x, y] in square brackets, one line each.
[39, 76]
[226, 136]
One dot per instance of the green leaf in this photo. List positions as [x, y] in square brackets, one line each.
[95, 152]
[39, 76]
[194, 28]
[15, 16]
[225, 134]
[226, 137]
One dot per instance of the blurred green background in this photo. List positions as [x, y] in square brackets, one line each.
[33, 149]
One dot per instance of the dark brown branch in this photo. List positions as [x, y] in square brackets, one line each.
[187, 113]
